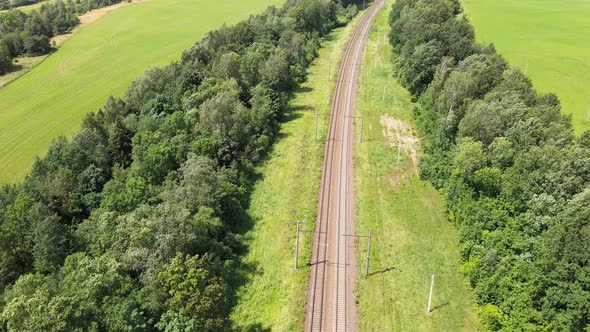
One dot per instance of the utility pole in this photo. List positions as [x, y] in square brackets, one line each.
[362, 124]
[443, 66]
[297, 249]
[368, 254]
[453, 101]
[399, 148]
[366, 86]
[430, 296]
[385, 87]
[316, 127]
[366, 79]
[329, 69]
[360, 73]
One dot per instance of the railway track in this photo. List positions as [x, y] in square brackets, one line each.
[330, 302]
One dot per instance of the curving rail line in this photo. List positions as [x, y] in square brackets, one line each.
[330, 302]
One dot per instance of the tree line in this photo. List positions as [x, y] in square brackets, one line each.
[7, 4]
[30, 34]
[135, 223]
[514, 177]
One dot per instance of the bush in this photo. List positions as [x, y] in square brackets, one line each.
[36, 45]
[5, 60]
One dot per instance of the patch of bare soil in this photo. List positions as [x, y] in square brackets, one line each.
[401, 135]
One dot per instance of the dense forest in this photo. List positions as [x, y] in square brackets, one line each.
[515, 179]
[29, 34]
[134, 224]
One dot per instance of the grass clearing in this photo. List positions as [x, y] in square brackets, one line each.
[24, 64]
[274, 297]
[549, 39]
[411, 238]
[91, 17]
[20, 67]
[31, 7]
[98, 61]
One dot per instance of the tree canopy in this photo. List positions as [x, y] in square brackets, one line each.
[514, 177]
[133, 224]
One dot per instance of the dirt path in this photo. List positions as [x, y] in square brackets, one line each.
[331, 302]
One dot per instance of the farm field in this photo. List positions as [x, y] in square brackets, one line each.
[549, 39]
[274, 296]
[98, 61]
[31, 7]
[411, 237]
[26, 63]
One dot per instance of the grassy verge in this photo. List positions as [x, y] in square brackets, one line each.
[411, 237]
[98, 61]
[21, 66]
[274, 297]
[24, 64]
[30, 8]
[550, 40]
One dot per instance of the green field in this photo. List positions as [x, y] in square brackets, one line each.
[29, 8]
[411, 238]
[550, 39]
[101, 60]
[274, 296]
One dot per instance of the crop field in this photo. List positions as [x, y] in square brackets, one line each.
[549, 39]
[98, 61]
[411, 237]
[274, 296]
[29, 8]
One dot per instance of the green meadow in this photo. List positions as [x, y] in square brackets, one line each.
[549, 39]
[98, 61]
[411, 236]
[29, 8]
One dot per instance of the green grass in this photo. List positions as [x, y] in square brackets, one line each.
[29, 8]
[411, 237]
[549, 38]
[274, 297]
[101, 60]
[21, 67]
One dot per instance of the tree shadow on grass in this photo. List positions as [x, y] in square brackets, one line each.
[440, 306]
[291, 115]
[14, 67]
[303, 89]
[382, 271]
[255, 328]
[242, 221]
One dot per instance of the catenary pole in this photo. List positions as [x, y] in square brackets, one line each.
[297, 249]
[430, 296]
[368, 254]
